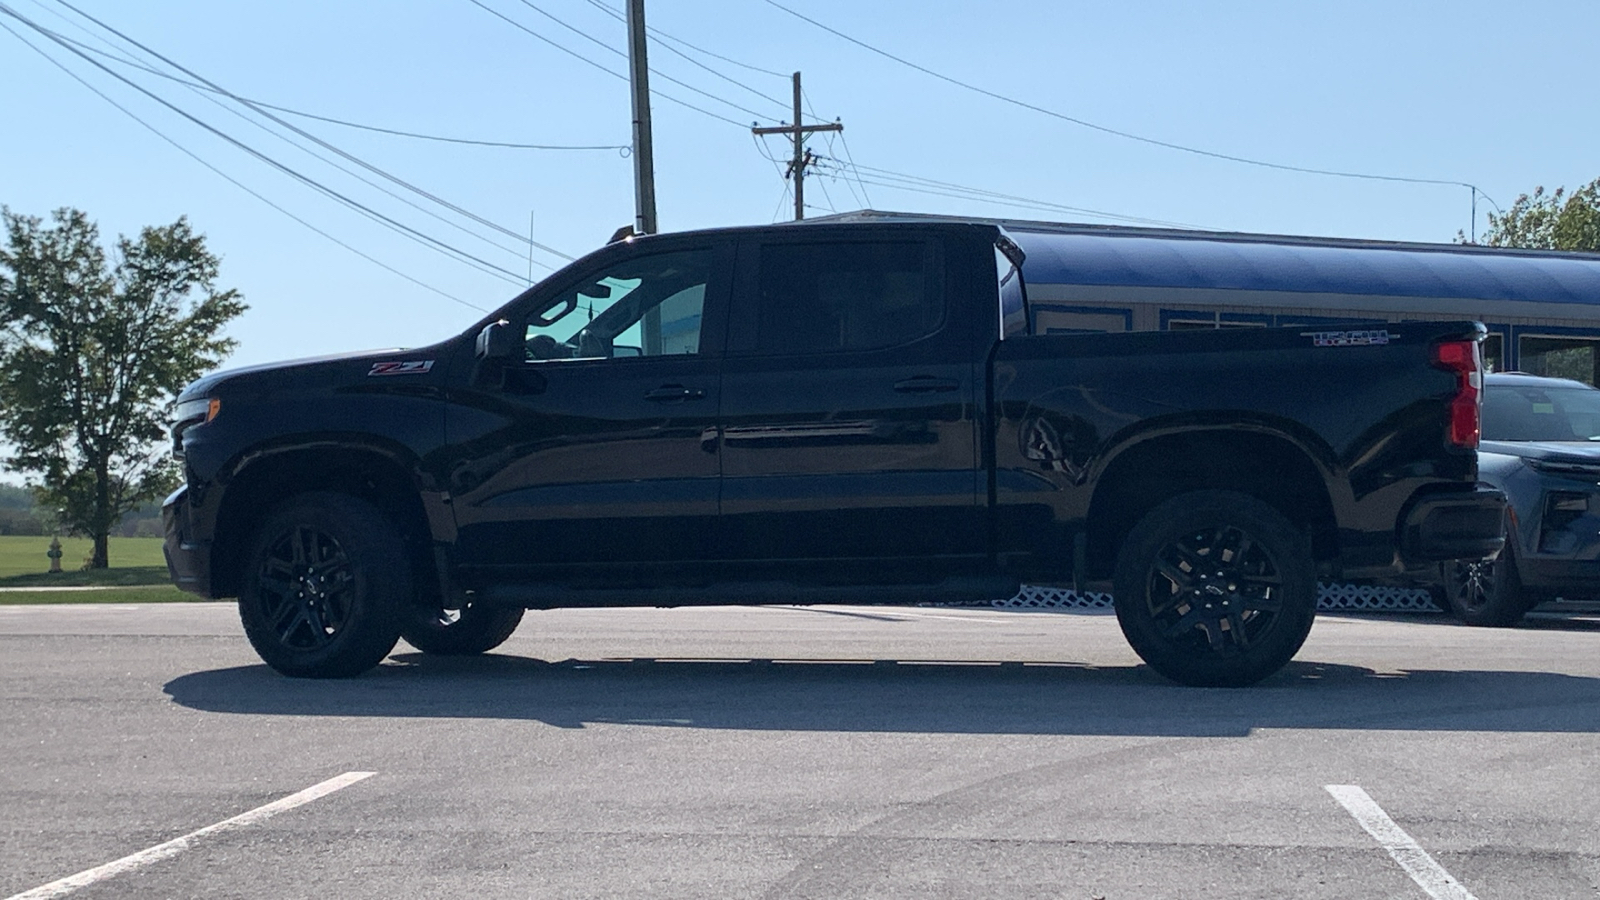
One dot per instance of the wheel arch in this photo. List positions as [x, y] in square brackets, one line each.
[262, 480]
[1261, 463]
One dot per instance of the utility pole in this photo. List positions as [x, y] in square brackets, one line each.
[644, 169]
[802, 157]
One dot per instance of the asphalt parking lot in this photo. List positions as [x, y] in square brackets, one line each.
[785, 752]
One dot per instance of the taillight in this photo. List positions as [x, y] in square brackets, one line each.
[1461, 357]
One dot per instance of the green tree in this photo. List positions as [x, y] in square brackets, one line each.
[92, 350]
[1554, 221]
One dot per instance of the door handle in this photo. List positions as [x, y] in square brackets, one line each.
[926, 384]
[674, 393]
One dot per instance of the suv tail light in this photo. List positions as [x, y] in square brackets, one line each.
[1461, 357]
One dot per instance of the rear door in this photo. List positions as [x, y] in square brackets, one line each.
[848, 405]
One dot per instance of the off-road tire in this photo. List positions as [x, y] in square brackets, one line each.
[324, 582]
[467, 631]
[1205, 568]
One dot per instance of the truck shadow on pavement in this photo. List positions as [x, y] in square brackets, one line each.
[909, 697]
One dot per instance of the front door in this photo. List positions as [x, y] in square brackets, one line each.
[596, 452]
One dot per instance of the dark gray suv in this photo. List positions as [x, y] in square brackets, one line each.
[1541, 446]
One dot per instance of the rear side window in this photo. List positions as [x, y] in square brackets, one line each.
[823, 298]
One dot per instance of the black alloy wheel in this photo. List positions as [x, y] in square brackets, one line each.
[1215, 588]
[324, 580]
[1485, 592]
[307, 590]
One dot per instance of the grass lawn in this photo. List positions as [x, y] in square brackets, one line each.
[25, 554]
[135, 562]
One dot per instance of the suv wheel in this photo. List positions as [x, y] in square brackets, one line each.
[1486, 592]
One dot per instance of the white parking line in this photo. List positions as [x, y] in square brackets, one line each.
[1418, 864]
[177, 845]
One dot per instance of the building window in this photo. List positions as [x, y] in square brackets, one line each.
[1559, 357]
[1079, 320]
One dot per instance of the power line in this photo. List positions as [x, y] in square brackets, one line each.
[1023, 203]
[827, 196]
[992, 197]
[919, 184]
[777, 165]
[230, 179]
[783, 200]
[441, 138]
[510, 145]
[850, 184]
[207, 94]
[831, 135]
[1129, 135]
[845, 142]
[587, 61]
[689, 59]
[664, 36]
[318, 141]
[400, 227]
[594, 40]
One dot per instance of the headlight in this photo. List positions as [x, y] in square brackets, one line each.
[188, 414]
[196, 411]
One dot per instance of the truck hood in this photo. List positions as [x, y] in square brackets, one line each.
[1587, 452]
[275, 373]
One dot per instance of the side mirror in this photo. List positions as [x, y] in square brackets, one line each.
[497, 341]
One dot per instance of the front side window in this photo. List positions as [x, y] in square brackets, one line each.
[647, 306]
[821, 298]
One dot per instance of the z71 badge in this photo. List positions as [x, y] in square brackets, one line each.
[417, 367]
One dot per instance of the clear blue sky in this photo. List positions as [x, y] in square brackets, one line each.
[1493, 93]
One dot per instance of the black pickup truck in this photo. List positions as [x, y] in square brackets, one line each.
[824, 412]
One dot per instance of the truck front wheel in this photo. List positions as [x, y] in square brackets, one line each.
[324, 580]
[1215, 589]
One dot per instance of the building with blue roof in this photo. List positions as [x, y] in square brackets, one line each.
[1542, 308]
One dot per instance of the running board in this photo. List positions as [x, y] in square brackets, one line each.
[950, 590]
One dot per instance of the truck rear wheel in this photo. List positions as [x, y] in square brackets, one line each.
[1215, 589]
[467, 631]
[324, 579]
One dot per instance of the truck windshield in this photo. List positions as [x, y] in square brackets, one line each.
[1530, 413]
